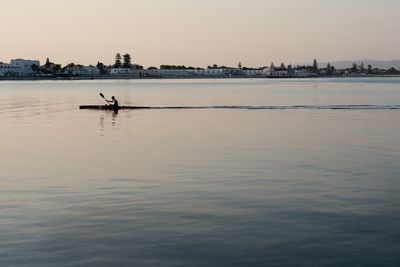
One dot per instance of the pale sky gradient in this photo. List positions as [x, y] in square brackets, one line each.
[199, 32]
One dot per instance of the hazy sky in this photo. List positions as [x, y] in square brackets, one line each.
[199, 32]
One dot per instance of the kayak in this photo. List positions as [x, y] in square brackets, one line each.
[320, 107]
[108, 107]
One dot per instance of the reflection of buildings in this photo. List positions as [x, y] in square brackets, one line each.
[18, 67]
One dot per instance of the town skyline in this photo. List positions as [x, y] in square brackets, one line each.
[124, 67]
[395, 63]
[200, 33]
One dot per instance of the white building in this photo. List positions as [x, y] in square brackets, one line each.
[23, 66]
[173, 73]
[122, 71]
[82, 70]
[267, 71]
[7, 69]
[252, 72]
[276, 72]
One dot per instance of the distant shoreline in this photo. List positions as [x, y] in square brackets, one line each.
[125, 77]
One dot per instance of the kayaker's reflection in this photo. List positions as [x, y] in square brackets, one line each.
[114, 116]
[104, 119]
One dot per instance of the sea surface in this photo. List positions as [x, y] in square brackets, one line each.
[283, 173]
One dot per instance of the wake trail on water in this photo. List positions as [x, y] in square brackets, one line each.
[304, 107]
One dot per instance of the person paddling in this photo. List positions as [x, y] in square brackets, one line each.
[113, 102]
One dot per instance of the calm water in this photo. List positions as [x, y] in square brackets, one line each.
[209, 187]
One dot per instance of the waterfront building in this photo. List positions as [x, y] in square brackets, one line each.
[8, 70]
[173, 73]
[23, 66]
[304, 73]
[252, 72]
[80, 70]
[275, 72]
[122, 71]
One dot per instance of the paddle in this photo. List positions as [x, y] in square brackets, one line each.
[101, 94]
